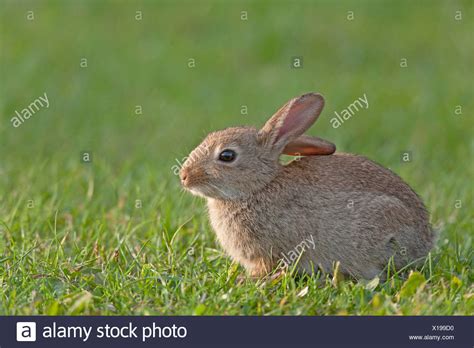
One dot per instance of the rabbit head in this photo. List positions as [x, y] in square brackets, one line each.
[235, 162]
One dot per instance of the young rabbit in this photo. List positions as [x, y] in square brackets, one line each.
[312, 212]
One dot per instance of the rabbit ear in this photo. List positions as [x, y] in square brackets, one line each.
[306, 145]
[292, 120]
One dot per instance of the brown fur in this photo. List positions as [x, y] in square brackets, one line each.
[354, 210]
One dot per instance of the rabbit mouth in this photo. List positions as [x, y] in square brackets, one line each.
[210, 191]
[197, 191]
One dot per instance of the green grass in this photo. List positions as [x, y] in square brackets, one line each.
[74, 240]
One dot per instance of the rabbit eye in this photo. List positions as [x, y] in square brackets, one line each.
[227, 156]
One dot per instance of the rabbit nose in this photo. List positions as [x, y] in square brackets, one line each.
[184, 176]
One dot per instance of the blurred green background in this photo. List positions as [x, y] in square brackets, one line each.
[238, 63]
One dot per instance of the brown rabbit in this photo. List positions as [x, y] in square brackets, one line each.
[312, 212]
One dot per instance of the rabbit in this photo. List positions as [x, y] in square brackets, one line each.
[320, 209]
